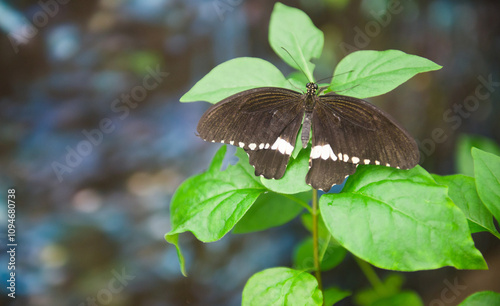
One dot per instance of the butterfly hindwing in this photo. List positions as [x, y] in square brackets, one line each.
[271, 161]
[356, 132]
[263, 121]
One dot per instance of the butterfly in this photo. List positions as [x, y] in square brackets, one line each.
[346, 132]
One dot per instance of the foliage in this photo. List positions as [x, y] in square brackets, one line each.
[402, 220]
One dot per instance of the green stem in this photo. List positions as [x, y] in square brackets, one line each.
[372, 277]
[317, 269]
[298, 201]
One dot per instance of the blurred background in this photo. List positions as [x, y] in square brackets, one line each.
[95, 140]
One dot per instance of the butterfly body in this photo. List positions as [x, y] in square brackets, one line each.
[346, 132]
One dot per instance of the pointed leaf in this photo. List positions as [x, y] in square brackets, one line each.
[364, 74]
[282, 286]
[292, 29]
[211, 203]
[233, 76]
[487, 170]
[462, 191]
[174, 239]
[400, 220]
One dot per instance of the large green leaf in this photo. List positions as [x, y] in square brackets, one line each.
[294, 180]
[400, 220]
[292, 29]
[364, 74]
[211, 203]
[462, 191]
[271, 210]
[282, 286]
[463, 157]
[487, 171]
[233, 76]
[483, 298]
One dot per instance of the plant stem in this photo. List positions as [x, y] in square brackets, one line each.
[372, 277]
[317, 269]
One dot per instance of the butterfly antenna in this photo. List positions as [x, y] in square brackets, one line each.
[347, 88]
[335, 75]
[295, 62]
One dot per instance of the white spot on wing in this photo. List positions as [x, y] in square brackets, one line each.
[355, 159]
[222, 141]
[252, 146]
[267, 146]
[346, 157]
[316, 152]
[367, 161]
[377, 162]
[324, 152]
[241, 144]
[231, 142]
[261, 146]
[388, 165]
[283, 146]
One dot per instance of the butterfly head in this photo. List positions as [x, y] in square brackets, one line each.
[311, 88]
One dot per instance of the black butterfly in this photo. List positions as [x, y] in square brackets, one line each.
[346, 132]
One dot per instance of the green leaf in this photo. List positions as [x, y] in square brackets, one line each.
[292, 29]
[303, 256]
[271, 210]
[334, 295]
[390, 286]
[400, 220]
[462, 190]
[482, 298]
[463, 157]
[407, 298]
[487, 171]
[233, 76]
[364, 74]
[174, 239]
[282, 286]
[294, 180]
[211, 203]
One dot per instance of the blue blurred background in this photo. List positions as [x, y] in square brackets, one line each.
[95, 140]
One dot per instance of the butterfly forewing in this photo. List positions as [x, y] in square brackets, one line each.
[263, 121]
